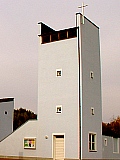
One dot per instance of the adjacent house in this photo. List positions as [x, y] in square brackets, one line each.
[6, 117]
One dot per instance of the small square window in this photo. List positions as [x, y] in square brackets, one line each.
[59, 109]
[58, 72]
[92, 142]
[92, 111]
[91, 74]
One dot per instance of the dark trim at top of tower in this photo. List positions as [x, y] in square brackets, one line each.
[45, 29]
[6, 100]
[50, 35]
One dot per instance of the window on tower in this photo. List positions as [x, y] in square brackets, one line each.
[92, 111]
[92, 142]
[115, 145]
[59, 109]
[91, 74]
[5, 112]
[58, 72]
[105, 141]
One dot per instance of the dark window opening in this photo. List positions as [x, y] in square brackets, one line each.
[62, 35]
[46, 39]
[59, 136]
[72, 33]
[6, 112]
[54, 37]
[59, 73]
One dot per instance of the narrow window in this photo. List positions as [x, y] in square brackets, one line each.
[59, 109]
[105, 142]
[58, 72]
[92, 111]
[115, 145]
[92, 142]
[91, 75]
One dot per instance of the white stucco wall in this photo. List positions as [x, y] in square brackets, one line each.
[108, 150]
[90, 88]
[13, 144]
[59, 91]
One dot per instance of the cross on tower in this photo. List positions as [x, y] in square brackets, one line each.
[83, 6]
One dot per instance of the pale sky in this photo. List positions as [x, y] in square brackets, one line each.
[19, 46]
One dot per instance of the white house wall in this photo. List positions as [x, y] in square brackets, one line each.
[6, 120]
[59, 91]
[108, 149]
[13, 144]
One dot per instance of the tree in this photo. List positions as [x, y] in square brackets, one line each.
[21, 116]
[112, 129]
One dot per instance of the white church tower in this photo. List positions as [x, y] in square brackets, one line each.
[69, 92]
[69, 124]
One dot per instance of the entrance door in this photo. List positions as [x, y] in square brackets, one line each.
[59, 147]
